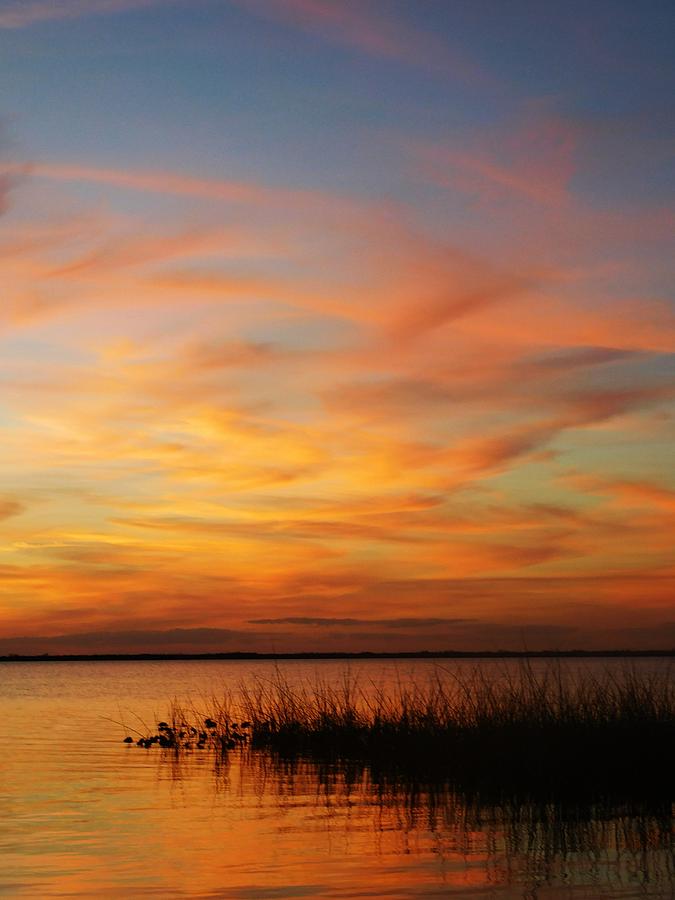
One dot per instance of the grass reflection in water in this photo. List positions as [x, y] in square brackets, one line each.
[554, 778]
[516, 845]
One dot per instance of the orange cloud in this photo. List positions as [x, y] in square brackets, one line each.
[309, 414]
[549, 321]
[10, 507]
[456, 302]
[631, 493]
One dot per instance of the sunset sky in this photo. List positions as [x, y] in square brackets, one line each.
[336, 324]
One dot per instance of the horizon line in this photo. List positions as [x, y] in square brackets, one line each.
[357, 654]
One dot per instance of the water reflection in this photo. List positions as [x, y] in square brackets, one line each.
[453, 838]
[83, 815]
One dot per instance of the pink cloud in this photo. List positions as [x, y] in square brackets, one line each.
[360, 26]
[533, 162]
[25, 13]
[158, 182]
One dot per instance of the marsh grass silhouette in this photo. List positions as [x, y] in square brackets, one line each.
[533, 730]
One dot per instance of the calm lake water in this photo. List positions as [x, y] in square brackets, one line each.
[84, 815]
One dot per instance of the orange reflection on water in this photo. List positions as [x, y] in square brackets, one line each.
[85, 815]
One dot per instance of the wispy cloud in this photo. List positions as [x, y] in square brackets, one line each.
[651, 630]
[231, 404]
[534, 161]
[10, 172]
[5, 186]
[176, 640]
[364, 28]
[403, 622]
[182, 185]
[24, 13]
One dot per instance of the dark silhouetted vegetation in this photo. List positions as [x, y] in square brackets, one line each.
[537, 729]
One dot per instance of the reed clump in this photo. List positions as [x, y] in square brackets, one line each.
[522, 728]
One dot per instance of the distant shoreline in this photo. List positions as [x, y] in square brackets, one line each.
[365, 655]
